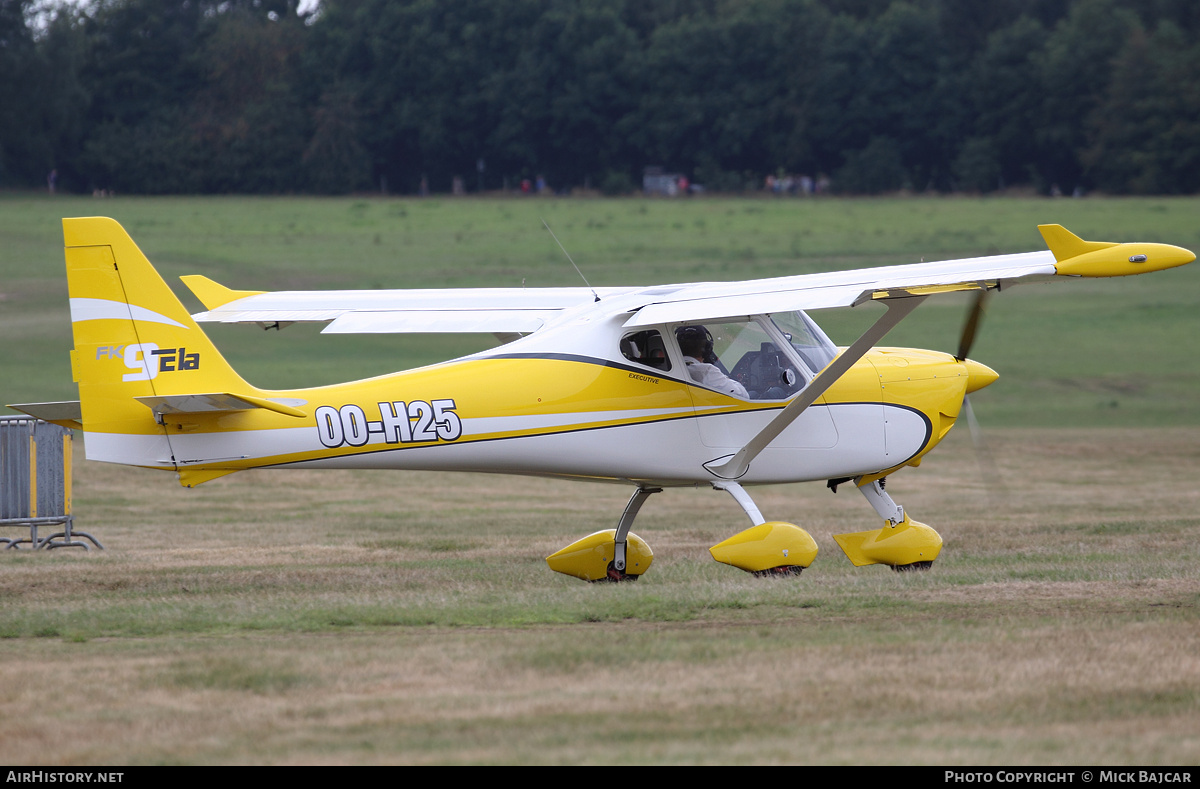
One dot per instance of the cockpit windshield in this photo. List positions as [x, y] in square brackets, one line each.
[806, 337]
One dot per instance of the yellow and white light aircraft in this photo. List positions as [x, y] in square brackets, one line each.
[721, 384]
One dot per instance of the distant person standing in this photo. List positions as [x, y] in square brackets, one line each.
[52, 181]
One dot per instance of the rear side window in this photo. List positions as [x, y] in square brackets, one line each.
[646, 348]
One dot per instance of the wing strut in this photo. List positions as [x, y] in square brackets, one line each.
[897, 310]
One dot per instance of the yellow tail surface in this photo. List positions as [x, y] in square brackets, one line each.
[133, 339]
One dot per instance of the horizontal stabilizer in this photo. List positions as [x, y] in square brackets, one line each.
[67, 413]
[218, 402]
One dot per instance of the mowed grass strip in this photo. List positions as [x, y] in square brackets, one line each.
[996, 693]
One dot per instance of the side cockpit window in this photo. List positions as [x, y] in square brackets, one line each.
[646, 348]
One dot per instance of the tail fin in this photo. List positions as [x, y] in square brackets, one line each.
[133, 339]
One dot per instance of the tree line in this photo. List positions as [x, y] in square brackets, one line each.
[260, 96]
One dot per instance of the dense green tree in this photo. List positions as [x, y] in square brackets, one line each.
[158, 96]
[883, 79]
[62, 95]
[1003, 91]
[140, 68]
[733, 90]
[246, 113]
[334, 158]
[24, 157]
[877, 168]
[1076, 65]
[1146, 131]
[577, 56]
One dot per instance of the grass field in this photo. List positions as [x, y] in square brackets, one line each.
[337, 617]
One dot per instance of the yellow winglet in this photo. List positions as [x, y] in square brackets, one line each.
[1079, 258]
[214, 294]
[1065, 244]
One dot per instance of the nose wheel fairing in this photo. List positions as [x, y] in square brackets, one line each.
[900, 543]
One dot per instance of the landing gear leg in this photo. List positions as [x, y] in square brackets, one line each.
[616, 569]
[902, 543]
[743, 499]
[766, 549]
[889, 510]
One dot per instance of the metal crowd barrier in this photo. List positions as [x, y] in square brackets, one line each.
[35, 484]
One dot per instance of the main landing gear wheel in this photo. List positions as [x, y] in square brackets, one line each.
[615, 576]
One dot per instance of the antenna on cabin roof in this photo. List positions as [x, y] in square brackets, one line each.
[568, 254]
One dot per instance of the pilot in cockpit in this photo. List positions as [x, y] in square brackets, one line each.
[696, 344]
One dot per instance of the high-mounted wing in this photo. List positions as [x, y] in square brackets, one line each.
[1069, 256]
